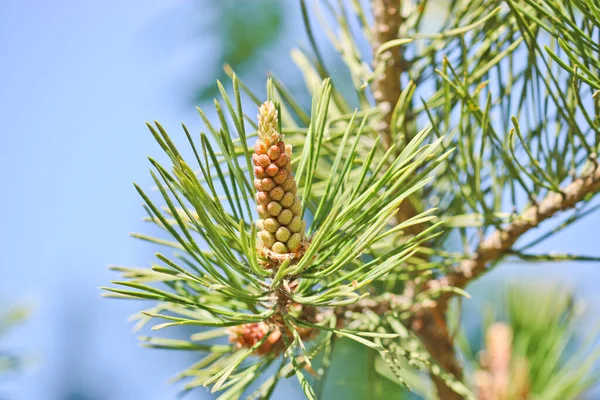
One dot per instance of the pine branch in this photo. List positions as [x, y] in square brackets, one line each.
[429, 322]
[387, 91]
[388, 67]
[500, 243]
[264, 284]
[386, 85]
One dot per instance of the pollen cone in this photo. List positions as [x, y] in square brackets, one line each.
[280, 225]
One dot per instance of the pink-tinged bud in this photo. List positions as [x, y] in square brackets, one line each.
[262, 198]
[264, 160]
[259, 172]
[273, 152]
[262, 211]
[272, 170]
[281, 161]
[260, 148]
[267, 184]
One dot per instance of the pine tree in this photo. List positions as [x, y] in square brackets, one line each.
[366, 217]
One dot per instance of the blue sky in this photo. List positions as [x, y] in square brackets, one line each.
[77, 81]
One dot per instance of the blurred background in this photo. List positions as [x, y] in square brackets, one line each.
[77, 81]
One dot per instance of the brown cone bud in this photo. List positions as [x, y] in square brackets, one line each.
[272, 170]
[262, 211]
[260, 148]
[289, 183]
[281, 176]
[277, 194]
[281, 161]
[263, 198]
[273, 152]
[259, 172]
[263, 160]
[267, 184]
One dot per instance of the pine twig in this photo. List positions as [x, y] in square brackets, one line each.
[500, 243]
[386, 91]
[387, 86]
[429, 323]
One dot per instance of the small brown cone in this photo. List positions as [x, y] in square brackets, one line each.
[247, 335]
[281, 231]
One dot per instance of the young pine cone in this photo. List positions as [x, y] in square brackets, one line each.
[280, 225]
[247, 335]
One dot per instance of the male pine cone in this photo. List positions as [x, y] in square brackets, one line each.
[280, 225]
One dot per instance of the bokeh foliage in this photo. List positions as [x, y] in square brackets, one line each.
[10, 318]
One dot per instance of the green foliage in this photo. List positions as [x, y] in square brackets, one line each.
[352, 375]
[497, 109]
[225, 286]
